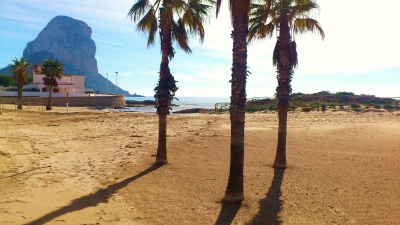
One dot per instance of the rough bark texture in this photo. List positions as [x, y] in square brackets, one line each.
[50, 100]
[285, 70]
[20, 87]
[234, 189]
[165, 90]
[161, 157]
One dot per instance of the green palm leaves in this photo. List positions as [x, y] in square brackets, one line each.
[185, 18]
[20, 75]
[53, 70]
[266, 16]
[19, 70]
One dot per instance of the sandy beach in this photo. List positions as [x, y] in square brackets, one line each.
[88, 167]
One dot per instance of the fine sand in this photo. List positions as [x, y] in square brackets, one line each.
[87, 167]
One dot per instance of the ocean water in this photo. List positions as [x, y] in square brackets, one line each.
[183, 102]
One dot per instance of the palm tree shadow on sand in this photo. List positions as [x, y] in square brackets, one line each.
[228, 212]
[92, 199]
[271, 205]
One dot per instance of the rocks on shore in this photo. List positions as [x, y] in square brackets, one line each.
[194, 110]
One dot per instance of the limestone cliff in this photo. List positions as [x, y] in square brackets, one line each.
[69, 41]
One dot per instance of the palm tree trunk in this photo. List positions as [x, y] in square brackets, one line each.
[166, 80]
[161, 157]
[19, 99]
[283, 91]
[234, 190]
[50, 99]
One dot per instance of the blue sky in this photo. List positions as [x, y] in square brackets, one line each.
[360, 52]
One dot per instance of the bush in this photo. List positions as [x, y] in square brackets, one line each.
[355, 106]
[306, 109]
[89, 92]
[377, 106]
[388, 107]
[6, 80]
[254, 108]
[272, 107]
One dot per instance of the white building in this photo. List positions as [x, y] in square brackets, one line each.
[71, 84]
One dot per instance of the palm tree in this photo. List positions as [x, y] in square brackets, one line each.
[177, 19]
[288, 17]
[239, 10]
[20, 75]
[53, 70]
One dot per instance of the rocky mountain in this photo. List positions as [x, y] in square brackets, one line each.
[69, 41]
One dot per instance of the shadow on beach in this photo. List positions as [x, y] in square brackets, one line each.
[228, 213]
[271, 205]
[92, 200]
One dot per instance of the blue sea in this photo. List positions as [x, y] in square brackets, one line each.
[182, 102]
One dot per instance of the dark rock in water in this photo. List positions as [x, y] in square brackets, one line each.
[193, 110]
[133, 103]
[69, 41]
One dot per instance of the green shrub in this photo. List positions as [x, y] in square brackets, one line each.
[272, 107]
[306, 109]
[255, 108]
[388, 107]
[355, 106]
[377, 106]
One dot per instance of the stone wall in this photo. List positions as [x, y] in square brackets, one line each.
[92, 101]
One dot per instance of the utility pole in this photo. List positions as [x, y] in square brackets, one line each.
[116, 82]
[107, 83]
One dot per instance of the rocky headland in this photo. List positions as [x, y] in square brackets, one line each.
[69, 41]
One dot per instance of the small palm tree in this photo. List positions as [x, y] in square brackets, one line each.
[53, 70]
[20, 75]
[175, 20]
[239, 10]
[288, 17]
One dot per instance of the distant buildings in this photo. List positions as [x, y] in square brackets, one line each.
[71, 84]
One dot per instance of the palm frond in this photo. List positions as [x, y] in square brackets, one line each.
[303, 8]
[180, 35]
[179, 6]
[260, 31]
[308, 24]
[195, 16]
[217, 7]
[148, 24]
[53, 70]
[138, 9]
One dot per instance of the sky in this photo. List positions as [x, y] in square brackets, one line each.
[360, 52]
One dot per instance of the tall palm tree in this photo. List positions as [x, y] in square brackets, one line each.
[288, 17]
[239, 10]
[53, 70]
[175, 20]
[20, 75]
